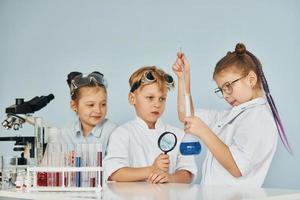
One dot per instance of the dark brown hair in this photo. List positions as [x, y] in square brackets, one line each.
[242, 61]
[239, 61]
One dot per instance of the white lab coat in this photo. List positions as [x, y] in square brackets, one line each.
[135, 145]
[250, 133]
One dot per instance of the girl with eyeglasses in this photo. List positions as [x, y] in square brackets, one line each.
[242, 140]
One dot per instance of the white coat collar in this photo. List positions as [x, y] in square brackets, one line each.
[159, 125]
[237, 110]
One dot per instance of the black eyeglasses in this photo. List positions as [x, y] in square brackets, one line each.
[227, 88]
[148, 77]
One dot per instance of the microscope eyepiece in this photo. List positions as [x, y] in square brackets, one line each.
[19, 101]
[26, 107]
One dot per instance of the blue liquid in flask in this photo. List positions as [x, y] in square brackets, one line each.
[190, 145]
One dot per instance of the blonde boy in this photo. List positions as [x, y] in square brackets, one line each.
[133, 153]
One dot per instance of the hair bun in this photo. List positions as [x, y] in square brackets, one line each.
[71, 75]
[240, 49]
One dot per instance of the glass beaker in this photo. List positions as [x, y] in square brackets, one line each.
[54, 160]
[8, 167]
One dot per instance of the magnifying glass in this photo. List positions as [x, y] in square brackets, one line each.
[167, 141]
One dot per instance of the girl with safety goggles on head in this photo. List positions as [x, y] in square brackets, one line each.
[242, 140]
[133, 152]
[89, 102]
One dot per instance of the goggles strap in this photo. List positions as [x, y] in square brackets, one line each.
[135, 86]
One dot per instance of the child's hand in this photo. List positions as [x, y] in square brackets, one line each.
[195, 126]
[158, 176]
[181, 64]
[161, 162]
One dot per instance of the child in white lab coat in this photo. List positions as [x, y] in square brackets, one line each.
[242, 140]
[133, 153]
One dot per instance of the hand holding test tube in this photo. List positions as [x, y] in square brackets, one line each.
[190, 144]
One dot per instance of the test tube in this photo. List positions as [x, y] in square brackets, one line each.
[54, 160]
[42, 178]
[78, 164]
[84, 163]
[2, 174]
[99, 162]
[73, 164]
[92, 163]
[70, 162]
[1, 170]
[50, 149]
[58, 163]
[64, 163]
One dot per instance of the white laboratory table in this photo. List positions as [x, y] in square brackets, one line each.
[145, 191]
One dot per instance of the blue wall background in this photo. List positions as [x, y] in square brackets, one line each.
[42, 41]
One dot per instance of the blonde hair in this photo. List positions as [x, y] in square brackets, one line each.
[156, 72]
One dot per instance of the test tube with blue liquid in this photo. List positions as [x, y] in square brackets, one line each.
[78, 164]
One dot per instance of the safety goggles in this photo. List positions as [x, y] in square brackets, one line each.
[148, 77]
[83, 80]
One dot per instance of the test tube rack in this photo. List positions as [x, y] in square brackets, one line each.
[32, 177]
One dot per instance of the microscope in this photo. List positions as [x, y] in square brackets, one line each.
[18, 114]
